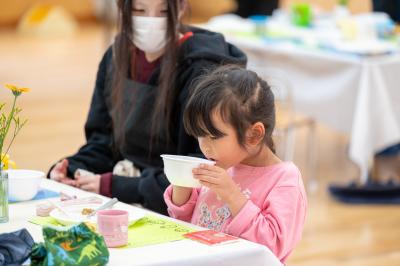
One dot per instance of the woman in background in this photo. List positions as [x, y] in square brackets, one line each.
[142, 86]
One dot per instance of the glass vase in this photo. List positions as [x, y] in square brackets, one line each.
[3, 197]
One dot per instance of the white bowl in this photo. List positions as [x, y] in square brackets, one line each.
[23, 184]
[178, 169]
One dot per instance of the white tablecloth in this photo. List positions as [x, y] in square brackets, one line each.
[183, 252]
[357, 96]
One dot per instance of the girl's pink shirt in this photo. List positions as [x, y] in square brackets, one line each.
[273, 216]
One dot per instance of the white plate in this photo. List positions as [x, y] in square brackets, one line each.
[75, 215]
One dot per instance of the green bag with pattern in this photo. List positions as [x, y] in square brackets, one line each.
[76, 245]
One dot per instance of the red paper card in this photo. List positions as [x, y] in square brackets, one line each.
[210, 237]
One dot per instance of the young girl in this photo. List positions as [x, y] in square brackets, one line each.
[250, 192]
[137, 107]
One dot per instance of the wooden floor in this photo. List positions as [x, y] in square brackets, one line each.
[61, 74]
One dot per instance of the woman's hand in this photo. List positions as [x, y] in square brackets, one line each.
[89, 183]
[180, 195]
[59, 173]
[218, 180]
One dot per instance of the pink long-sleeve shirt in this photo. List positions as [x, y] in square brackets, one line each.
[273, 216]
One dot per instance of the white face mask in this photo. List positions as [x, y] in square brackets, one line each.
[149, 33]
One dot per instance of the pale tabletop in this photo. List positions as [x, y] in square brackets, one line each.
[182, 252]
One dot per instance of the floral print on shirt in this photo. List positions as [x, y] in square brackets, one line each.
[215, 216]
[210, 221]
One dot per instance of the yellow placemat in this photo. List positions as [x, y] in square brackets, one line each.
[152, 230]
[45, 221]
[149, 230]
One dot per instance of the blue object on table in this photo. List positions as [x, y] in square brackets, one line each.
[370, 193]
[390, 151]
[259, 18]
[42, 194]
[260, 22]
[15, 247]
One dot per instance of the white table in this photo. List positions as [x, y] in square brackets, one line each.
[183, 252]
[358, 96]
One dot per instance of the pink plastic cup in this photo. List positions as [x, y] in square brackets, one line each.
[113, 226]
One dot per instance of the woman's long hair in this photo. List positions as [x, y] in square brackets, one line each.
[166, 91]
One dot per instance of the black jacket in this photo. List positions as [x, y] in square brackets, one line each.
[202, 51]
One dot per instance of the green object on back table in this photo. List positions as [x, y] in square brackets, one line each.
[301, 15]
[76, 245]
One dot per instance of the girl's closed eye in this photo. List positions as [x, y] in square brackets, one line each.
[220, 136]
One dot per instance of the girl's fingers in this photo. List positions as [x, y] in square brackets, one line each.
[206, 178]
[207, 184]
[208, 167]
[202, 171]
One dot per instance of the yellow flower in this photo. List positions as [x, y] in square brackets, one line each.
[7, 162]
[6, 120]
[16, 90]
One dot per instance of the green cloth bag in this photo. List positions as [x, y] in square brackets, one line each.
[76, 245]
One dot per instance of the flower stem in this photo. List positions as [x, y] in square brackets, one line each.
[10, 116]
[16, 130]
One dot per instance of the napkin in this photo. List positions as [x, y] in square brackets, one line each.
[15, 247]
[76, 245]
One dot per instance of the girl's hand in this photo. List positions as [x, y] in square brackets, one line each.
[59, 173]
[180, 195]
[89, 183]
[218, 180]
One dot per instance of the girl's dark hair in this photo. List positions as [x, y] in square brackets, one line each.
[240, 96]
[166, 91]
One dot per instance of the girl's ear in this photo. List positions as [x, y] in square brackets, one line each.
[255, 134]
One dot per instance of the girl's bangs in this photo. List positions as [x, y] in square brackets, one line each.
[198, 118]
